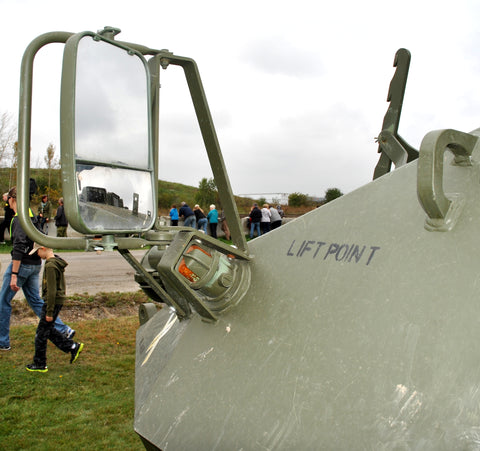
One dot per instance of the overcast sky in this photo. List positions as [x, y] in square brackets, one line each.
[297, 89]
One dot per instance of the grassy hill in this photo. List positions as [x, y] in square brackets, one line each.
[169, 193]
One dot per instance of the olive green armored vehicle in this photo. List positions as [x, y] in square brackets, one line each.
[353, 327]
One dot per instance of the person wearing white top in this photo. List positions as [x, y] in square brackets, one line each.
[276, 219]
[266, 216]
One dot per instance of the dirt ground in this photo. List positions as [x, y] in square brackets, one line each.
[83, 308]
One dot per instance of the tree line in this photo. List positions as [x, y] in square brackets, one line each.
[207, 194]
[304, 200]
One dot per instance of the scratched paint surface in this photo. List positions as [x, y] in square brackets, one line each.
[340, 350]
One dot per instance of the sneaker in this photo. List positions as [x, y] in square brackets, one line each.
[5, 348]
[70, 333]
[76, 351]
[37, 368]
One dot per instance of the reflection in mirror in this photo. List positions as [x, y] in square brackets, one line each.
[111, 174]
[114, 198]
[111, 105]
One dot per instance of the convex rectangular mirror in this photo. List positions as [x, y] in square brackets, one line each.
[107, 156]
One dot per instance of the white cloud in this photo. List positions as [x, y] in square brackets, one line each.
[278, 56]
[297, 90]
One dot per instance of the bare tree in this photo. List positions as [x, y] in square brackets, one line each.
[50, 161]
[13, 163]
[8, 134]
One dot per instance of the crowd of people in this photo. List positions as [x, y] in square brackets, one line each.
[259, 220]
[265, 219]
[197, 219]
[41, 220]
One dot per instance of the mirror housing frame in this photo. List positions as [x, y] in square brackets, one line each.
[68, 133]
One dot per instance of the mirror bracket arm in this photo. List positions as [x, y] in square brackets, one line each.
[210, 140]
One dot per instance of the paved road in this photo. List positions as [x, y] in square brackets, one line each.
[89, 272]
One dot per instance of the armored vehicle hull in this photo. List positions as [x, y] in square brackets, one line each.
[359, 331]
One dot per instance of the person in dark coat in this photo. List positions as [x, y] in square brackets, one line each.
[61, 220]
[7, 218]
[255, 219]
[189, 217]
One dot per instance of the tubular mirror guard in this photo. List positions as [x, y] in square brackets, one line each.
[442, 212]
[164, 58]
[24, 127]
[211, 144]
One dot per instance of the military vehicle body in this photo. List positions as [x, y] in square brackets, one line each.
[353, 327]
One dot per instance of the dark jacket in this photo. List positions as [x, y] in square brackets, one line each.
[199, 214]
[8, 215]
[60, 218]
[22, 245]
[256, 215]
[53, 283]
[45, 209]
[185, 211]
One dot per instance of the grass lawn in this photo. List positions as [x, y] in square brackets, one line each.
[88, 405]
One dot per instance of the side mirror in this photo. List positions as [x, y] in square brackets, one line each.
[106, 140]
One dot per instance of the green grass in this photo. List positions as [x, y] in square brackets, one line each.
[86, 405]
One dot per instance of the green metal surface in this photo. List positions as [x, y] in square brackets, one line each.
[359, 331]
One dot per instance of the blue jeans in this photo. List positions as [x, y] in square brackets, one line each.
[255, 225]
[202, 224]
[191, 221]
[28, 281]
